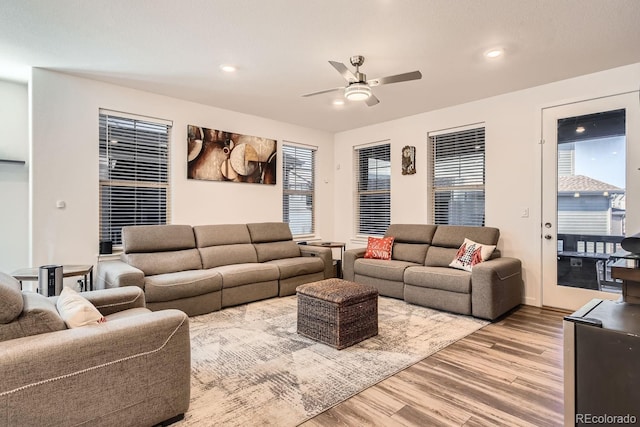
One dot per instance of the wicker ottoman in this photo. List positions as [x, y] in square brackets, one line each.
[337, 312]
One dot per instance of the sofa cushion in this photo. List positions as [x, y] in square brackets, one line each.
[411, 241]
[298, 266]
[440, 257]
[224, 244]
[470, 254]
[164, 262]
[221, 234]
[410, 252]
[269, 232]
[246, 274]
[127, 314]
[11, 302]
[215, 256]
[381, 269]
[448, 238]
[277, 250]
[379, 247]
[273, 240]
[452, 236]
[182, 284]
[412, 233]
[156, 238]
[39, 316]
[443, 278]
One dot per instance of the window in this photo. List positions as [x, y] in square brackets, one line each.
[457, 177]
[373, 186]
[592, 175]
[298, 171]
[134, 173]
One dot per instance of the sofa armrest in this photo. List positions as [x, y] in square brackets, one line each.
[350, 257]
[117, 274]
[324, 253]
[496, 287]
[91, 374]
[110, 301]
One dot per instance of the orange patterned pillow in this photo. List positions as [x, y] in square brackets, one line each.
[379, 248]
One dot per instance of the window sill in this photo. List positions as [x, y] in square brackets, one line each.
[114, 256]
[359, 240]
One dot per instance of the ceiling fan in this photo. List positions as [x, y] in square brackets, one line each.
[358, 87]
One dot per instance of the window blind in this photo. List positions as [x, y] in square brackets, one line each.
[134, 174]
[298, 188]
[457, 162]
[373, 186]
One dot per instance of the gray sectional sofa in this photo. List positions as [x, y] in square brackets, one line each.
[419, 271]
[135, 369]
[203, 268]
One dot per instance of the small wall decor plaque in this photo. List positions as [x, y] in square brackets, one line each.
[408, 160]
[217, 155]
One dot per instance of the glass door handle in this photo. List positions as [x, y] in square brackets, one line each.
[548, 236]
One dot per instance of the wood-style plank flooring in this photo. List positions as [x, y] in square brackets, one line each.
[508, 373]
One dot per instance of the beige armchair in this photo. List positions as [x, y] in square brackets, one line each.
[133, 369]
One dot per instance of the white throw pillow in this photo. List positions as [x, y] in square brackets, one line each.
[470, 254]
[76, 310]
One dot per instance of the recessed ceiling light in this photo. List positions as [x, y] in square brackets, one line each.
[338, 102]
[580, 129]
[494, 53]
[227, 68]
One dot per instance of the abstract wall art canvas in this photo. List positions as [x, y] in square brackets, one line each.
[217, 155]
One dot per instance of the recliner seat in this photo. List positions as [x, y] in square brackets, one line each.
[419, 271]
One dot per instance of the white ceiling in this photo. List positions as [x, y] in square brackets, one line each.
[281, 49]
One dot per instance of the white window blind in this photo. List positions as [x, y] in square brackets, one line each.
[373, 186]
[298, 188]
[457, 162]
[134, 174]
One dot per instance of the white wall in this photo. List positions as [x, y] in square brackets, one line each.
[65, 165]
[513, 162]
[14, 178]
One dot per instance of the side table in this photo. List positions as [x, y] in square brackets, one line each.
[332, 245]
[31, 274]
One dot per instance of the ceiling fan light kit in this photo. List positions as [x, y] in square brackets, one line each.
[358, 87]
[357, 92]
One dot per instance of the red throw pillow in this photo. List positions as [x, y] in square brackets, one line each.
[379, 248]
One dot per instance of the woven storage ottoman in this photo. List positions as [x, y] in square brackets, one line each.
[337, 312]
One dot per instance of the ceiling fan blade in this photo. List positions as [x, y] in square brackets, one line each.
[335, 89]
[372, 100]
[344, 71]
[404, 77]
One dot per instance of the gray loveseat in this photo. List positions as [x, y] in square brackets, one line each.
[419, 271]
[203, 268]
[134, 369]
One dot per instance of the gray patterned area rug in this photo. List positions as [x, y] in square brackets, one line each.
[250, 367]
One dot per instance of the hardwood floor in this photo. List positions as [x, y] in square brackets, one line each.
[508, 373]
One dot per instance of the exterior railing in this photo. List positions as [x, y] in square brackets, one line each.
[584, 261]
